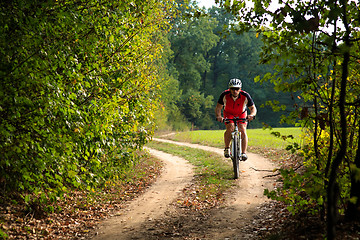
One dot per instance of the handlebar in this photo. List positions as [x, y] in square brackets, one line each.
[227, 120]
[236, 119]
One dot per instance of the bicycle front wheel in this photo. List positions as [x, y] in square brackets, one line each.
[235, 156]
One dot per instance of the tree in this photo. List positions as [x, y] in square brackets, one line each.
[237, 54]
[317, 61]
[79, 88]
[207, 51]
[191, 38]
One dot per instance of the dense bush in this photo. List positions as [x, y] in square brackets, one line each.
[78, 90]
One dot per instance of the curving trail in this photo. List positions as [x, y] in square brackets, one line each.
[224, 223]
[228, 222]
[153, 203]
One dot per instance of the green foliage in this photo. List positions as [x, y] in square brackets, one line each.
[196, 108]
[321, 67]
[191, 39]
[237, 54]
[206, 51]
[300, 192]
[79, 89]
[3, 235]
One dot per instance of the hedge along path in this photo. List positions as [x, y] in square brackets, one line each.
[177, 174]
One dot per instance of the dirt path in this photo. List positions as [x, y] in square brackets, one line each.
[145, 217]
[151, 205]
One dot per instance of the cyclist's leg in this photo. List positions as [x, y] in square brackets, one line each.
[244, 137]
[229, 128]
[227, 135]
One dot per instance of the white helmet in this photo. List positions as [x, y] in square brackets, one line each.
[235, 83]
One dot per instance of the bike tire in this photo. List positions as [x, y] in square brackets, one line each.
[235, 157]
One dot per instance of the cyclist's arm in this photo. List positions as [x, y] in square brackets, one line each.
[253, 112]
[218, 112]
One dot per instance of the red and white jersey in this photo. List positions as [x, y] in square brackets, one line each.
[235, 107]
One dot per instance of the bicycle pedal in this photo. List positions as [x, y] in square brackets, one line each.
[244, 157]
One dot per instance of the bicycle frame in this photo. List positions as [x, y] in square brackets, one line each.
[236, 150]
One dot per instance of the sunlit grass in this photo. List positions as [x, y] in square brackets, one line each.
[258, 138]
[213, 177]
[202, 159]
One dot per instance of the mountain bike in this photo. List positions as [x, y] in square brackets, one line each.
[235, 146]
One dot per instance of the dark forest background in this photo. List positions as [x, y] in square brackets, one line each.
[206, 51]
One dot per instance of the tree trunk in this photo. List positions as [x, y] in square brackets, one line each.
[353, 210]
[215, 70]
[331, 190]
[331, 144]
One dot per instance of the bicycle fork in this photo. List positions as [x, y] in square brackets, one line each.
[236, 134]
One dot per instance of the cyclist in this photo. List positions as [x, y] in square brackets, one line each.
[235, 101]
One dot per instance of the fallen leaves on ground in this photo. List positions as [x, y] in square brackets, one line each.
[274, 221]
[197, 197]
[78, 212]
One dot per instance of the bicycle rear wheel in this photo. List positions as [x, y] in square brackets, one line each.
[235, 156]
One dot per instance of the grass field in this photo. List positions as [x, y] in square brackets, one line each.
[258, 138]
